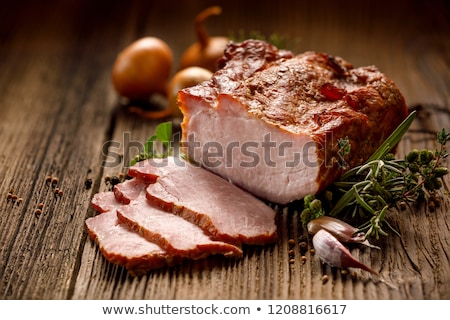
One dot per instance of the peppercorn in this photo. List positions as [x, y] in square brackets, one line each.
[54, 181]
[402, 205]
[115, 180]
[431, 206]
[291, 242]
[303, 247]
[291, 253]
[37, 213]
[88, 183]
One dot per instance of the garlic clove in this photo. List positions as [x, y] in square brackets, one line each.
[333, 253]
[343, 231]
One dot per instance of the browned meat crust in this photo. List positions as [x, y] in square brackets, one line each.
[311, 94]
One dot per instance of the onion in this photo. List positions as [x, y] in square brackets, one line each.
[207, 50]
[184, 78]
[142, 69]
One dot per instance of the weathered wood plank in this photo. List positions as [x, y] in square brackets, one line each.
[58, 112]
[56, 106]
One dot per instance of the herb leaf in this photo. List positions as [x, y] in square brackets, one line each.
[367, 191]
[163, 134]
[393, 139]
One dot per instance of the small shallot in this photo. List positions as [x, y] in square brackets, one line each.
[339, 229]
[184, 78]
[142, 68]
[206, 50]
[333, 253]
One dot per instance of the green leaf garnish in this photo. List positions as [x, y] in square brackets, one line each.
[163, 135]
[393, 139]
[367, 191]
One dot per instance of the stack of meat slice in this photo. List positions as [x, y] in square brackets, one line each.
[172, 210]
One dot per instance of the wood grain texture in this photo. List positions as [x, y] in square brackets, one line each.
[60, 117]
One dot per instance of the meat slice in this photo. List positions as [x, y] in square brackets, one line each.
[270, 121]
[129, 190]
[227, 212]
[122, 246]
[174, 234]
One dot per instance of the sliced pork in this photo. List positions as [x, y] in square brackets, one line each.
[120, 245]
[222, 209]
[129, 190]
[270, 121]
[174, 234]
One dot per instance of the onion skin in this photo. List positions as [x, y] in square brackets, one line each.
[142, 69]
[333, 253]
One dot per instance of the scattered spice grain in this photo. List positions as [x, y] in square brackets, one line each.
[55, 181]
[37, 213]
[88, 183]
[291, 242]
[303, 247]
[324, 279]
[115, 180]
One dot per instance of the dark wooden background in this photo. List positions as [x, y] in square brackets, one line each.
[58, 111]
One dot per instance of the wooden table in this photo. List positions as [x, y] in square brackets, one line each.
[59, 113]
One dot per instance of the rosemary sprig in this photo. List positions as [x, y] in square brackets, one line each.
[367, 191]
